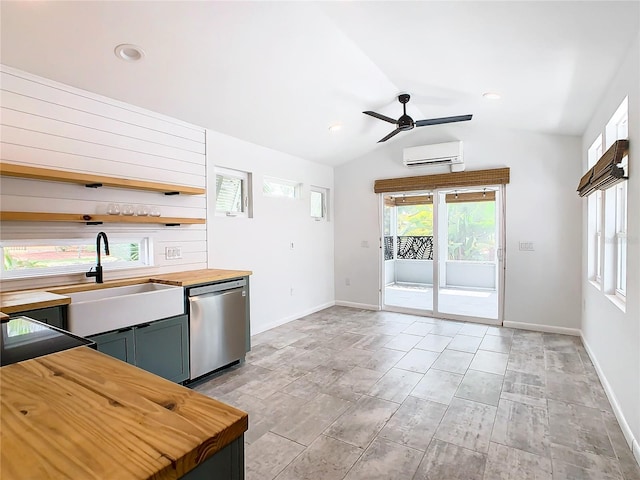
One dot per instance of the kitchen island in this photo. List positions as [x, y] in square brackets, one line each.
[82, 414]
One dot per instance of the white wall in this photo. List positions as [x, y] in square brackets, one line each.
[262, 243]
[543, 286]
[611, 335]
[52, 125]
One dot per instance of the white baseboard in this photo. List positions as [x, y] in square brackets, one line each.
[543, 328]
[290, 318]
[363, 306]
[632, 442]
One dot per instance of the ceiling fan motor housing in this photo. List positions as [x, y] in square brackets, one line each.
[405, 122]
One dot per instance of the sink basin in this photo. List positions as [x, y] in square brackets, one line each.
[106, 309]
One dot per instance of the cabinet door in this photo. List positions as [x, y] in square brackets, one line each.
[162, 348]
[51, 316]
[118, 344]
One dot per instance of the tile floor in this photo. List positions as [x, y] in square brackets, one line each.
[352, 394]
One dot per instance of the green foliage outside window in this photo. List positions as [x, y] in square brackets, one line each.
[415, 220]
[472, 231]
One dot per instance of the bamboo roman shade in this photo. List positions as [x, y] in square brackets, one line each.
[606, 172]
[470, 197]
[450, 198]
[496, 176]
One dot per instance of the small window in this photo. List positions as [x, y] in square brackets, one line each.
[621, 240]
[596, 218]
[232, 197]
[598, 246]
[595, 152]
[618, 126]
[32, 258]
[274, 187]
[318, 203]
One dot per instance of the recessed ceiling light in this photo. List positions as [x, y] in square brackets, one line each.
[491, 95]
[335, 127]
[129, 53]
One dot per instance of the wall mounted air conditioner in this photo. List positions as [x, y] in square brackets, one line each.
[449, 153]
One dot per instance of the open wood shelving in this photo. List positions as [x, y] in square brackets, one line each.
[96, 219]
[94, 181]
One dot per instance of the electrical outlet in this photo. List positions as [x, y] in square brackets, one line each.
[172, 253]
[347, 282]
[526, 246]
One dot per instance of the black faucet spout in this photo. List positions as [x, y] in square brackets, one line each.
[98, 272]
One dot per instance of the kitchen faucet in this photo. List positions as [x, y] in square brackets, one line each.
[98, 272]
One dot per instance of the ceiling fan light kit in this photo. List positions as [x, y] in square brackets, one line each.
[405, 122]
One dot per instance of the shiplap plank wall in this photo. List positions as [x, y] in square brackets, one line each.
[48, 124]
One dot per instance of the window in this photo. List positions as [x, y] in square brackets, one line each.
[607, 216]
[596, 218]
[472, 231]
[598, 246]
[618, 128]
[318, 203]
[274, 187]
[620, 239]
[232, 192]
[31, 258]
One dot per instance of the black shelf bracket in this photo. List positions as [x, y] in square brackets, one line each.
[93, 185]
[94, 223]
[172, 193]
[171, 224]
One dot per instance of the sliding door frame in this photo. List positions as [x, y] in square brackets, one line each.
[437, 226]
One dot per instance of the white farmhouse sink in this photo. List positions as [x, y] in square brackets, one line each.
[106, 309]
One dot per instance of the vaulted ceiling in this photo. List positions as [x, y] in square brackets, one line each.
[279, 74]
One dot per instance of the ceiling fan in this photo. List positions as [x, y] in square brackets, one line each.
[405, 122]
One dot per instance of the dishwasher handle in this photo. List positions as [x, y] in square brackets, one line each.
[216, 287]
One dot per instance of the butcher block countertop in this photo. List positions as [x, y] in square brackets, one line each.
[19, 301]
[80, 414]
[195, 277]
[13, 302]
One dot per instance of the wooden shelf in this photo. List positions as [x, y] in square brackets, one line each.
[94, 181]
[95, 219]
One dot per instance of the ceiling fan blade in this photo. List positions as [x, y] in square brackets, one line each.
[380, 116]
[395, 132]
[438, 121]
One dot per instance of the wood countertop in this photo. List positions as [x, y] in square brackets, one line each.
[196, 277]
[12, 302]
[80, 414]
[19, 301]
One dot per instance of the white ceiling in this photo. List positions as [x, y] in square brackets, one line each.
[279, 73]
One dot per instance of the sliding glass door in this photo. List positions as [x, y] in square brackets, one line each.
[442, 253]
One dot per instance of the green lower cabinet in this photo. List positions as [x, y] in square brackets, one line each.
[51, 316]
[162, 348]
[118, 344]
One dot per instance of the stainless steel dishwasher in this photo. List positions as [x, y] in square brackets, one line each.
[217, 326]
